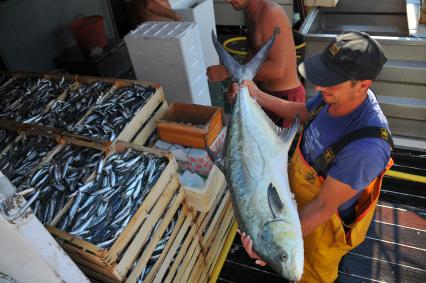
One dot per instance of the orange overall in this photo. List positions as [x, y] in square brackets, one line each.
[326, 245]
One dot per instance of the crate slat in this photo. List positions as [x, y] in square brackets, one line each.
[96, 275]
[143, 260]
[191, 239]
[216, 247]
[213, 223]
[202, 216]
[150, 127]
[138, 241]
[217, 222]
[183, 221]
[140, 214]
[188, 263]
[139, 119]
[196, 271]
[84, 245]
[96, 260]
[172, 251]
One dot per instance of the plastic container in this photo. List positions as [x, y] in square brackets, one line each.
[89, 32]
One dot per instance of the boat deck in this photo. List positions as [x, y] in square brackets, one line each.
[394, 249]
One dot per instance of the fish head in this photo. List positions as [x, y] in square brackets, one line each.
[283, 248]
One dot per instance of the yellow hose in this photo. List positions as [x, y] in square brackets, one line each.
[233, 51]
[224, 253]
[406, 176]
[301, 45]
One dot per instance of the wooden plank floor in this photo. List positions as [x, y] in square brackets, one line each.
[393, 251]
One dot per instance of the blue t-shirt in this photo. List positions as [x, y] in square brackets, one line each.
[362, 160]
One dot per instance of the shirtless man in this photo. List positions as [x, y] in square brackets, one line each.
[154, 10]
[278, 74]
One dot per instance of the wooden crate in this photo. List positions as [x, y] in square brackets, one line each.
[38, 131]
[114, 264]
[138, 128]
[179, 124]
[166, 267]
[213, 228]
[50, 77]
[202, 198]
[185, 260]
[422, 16]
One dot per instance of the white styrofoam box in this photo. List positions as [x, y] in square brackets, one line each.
[321, 3]
[170, 53]
[201, 12]
[227, 16]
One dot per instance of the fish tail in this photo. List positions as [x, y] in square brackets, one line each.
[240, 72]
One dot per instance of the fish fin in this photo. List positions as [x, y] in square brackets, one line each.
[251, 67]
[286, 135]
[218, 159]
[275, 204]
[231, 65]
[240, 72]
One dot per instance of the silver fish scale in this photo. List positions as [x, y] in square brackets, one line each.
[65, 114]
[27, 103]
[66, 173]
[101, 211]
[6, 137]
[159, 248]
[12, 91]
[24, 155]
[112, 115]
[4, 78]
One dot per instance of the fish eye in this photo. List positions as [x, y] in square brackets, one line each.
[284, 257]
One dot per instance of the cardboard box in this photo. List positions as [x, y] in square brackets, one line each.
[194, 159]
[202, 198]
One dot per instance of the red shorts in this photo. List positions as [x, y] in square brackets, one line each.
[295, 94]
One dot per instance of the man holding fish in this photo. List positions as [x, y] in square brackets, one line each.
[278, 74]
[342, 154]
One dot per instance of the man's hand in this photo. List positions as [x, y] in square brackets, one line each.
[248, 246]
[177, 17]
[217, 73]
[234, 88]
[232, 92]
[252, 88]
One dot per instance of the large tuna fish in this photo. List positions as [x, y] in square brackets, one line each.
[256, 171]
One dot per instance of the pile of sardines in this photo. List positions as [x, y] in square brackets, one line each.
[110, 116]
[103, 206]
[4, 78]
[22, 155]
[64, 114]
[6, 137]
[26, 100]
[87, 109]
[59, 179]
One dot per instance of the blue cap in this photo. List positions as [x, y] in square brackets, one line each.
[351, 56]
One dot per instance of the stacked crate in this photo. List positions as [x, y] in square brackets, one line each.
[165, 240]
[138, 129]
[128, 254]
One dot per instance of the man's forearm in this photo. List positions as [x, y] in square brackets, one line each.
[332, 195]
[285, 109]
[313, 215]
[160, 10]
